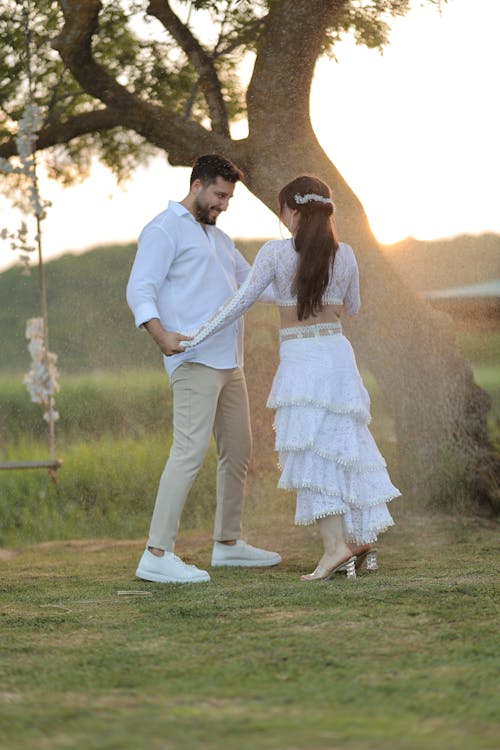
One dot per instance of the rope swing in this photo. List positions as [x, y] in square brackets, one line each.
[41, 380]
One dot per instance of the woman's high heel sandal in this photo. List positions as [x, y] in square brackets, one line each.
[324, 574]
[370, 557]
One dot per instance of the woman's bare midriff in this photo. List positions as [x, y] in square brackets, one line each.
[329, 314]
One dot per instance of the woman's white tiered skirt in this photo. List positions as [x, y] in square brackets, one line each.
[327, 453]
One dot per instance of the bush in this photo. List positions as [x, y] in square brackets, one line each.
[135, 403]
[106, 487]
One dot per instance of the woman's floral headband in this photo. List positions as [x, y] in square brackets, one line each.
[298, 198]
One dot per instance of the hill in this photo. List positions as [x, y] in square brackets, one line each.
[440, 264]
[91, 327]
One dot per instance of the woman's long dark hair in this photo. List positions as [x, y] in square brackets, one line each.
[314, 241]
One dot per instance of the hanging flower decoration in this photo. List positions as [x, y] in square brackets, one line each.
[28, 127]
[41, 380]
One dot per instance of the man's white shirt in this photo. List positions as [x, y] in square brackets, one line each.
[182, 274]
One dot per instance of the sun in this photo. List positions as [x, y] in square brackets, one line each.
[386, 230]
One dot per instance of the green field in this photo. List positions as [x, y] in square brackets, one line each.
[114, 436]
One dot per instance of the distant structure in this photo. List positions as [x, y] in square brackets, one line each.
[474, 304]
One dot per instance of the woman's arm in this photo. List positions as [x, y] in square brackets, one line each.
[352, 301]
[243, 268]
[260, 276]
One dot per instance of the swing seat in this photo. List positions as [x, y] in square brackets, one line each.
[54, 463]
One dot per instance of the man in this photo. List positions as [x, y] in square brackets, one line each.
[185, 268]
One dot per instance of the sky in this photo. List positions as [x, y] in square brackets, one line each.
[414, 131]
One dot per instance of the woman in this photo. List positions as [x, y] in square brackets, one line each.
[322, 408]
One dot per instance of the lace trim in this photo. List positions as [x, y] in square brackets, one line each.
[275, 404]
[327, 300]
[351, 501]
[307, 331]
[353, 463]
[370, 536]
[373, 535]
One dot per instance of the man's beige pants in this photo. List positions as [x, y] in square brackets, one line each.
[205, 400]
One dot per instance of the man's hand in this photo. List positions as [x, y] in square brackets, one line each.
[167, 341]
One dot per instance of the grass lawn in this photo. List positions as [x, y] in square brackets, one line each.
[93, 659]
[405, 658]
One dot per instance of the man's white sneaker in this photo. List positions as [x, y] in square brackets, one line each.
[168, 569]
[242, 555]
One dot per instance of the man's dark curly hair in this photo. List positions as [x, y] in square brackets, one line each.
[207, 168]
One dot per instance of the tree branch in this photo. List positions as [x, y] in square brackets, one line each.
[63, 132]
[201, 61]
[239, 40]
[163, 128]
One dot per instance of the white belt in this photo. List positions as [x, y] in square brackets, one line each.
[307, 332]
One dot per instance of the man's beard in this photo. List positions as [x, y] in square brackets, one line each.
[203, 213]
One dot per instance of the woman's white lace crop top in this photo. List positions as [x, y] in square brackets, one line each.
[275, 264]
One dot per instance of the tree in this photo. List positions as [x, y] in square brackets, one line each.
[118, 78]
